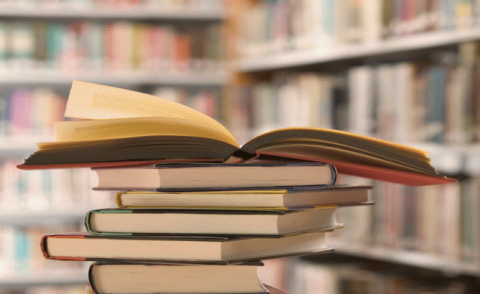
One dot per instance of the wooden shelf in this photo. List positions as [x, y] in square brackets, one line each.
[21, 145]
[140, 12]
[45, 77]
[449, 266]
[59, 277]
[449, 158]
[26, 217]
[297, 59]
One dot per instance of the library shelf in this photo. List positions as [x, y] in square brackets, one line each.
[450, 158]
[25, 217]
[21, 145]
[133, 12]
[63, 277]
[447, 265]
[52, 77]
[349, 52]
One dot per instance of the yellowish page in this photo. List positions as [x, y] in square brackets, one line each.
[93, 101]
[87, 130]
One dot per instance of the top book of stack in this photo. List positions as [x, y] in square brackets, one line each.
[117, 127]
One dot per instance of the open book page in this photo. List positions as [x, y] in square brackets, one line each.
[93, 101]
[340, 138]
[88, 130]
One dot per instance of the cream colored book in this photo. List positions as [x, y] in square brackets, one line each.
[138, 278]
[210, 223]
[266, 199]
[86, 247]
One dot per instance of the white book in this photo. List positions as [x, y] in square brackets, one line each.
[404, 102]
[361, 103]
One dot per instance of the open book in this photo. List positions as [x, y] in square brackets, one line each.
[119, 127]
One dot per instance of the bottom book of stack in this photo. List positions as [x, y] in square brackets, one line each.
[176, 278]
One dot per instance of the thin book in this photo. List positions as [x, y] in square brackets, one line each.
[194, 177]
[241, 199]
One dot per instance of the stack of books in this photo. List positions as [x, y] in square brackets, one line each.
[197, 213]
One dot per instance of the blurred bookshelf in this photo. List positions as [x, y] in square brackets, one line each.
[404, 71]
[89, 10]
[346, 57]
[66, 278]
[129, 78]
[352, 53]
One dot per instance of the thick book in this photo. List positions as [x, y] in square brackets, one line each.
[120, 127]
[142, 278]
[175, 249]
[241, 199]
[209, 222]
[182, 177]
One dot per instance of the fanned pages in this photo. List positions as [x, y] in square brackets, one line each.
[93, 101]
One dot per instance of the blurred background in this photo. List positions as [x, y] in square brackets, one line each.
[403, 70]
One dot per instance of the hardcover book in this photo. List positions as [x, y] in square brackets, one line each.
[226, 176]
[222, 199]
[210, 223]
[175, 249]
[141, 278]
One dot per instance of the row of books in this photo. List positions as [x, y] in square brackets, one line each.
[53, 289]
[177, 204]
[416, 102]
[21, 255]
[297, 99]
[402, 102]
[32, 111]
[47, 190]
[345, 277]
[278, 26]
[335, 273]
[110, 46]
[439, 220]
[165, 4]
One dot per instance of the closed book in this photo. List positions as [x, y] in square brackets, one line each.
[268, 198]
[138, 278]
[181, 177]
[175, 249]
[209, 222]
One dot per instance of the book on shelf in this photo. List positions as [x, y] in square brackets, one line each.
[268, 198]
[216, 176]
[116, 118]
[177, 249]
[175, 278]
[252, 222]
